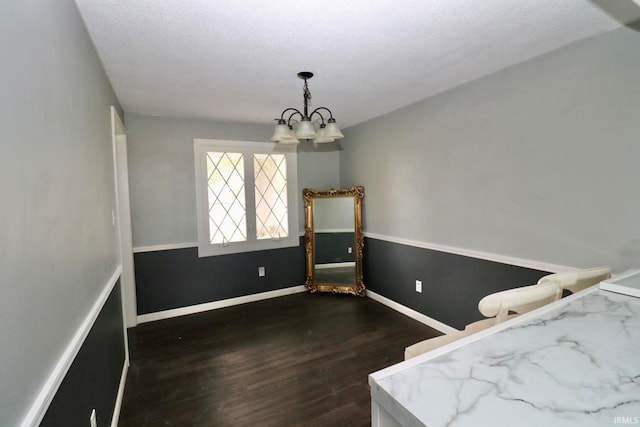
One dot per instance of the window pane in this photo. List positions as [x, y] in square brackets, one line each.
[227, 210]
[272, 220]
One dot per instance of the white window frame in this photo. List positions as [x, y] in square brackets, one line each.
[201, 147]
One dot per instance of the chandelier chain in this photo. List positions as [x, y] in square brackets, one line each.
[306, 91]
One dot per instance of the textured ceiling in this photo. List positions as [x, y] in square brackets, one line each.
[237, 60]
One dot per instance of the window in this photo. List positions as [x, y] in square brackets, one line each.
[246, 196]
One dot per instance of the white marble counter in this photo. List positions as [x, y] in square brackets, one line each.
[575, 362]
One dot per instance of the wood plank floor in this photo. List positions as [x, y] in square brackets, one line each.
[298, 360]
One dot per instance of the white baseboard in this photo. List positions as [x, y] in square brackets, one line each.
[433, 323]
[192, 309]
[123, 379]
[183, 311]
[48, 391]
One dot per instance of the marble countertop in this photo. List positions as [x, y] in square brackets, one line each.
[575, 362]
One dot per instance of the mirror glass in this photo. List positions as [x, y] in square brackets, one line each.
[334, 256]
[334, 240]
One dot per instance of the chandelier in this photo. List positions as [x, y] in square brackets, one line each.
[304, 127]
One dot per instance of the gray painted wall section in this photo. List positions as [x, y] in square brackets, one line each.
[161, 172]
[538, 161]
[57, 243]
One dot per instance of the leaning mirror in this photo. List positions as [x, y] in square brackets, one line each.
[334, 240]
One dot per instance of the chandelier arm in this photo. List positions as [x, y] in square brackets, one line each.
[322, 108]
[318, 113]
[290, 109]
[293, 114]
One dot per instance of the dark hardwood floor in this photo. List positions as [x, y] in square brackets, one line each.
[298, 360]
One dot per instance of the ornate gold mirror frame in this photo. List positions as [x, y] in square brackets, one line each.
[338, 277]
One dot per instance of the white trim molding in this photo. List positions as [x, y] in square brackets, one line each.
[167, 247]
[335, 265]
[334, 230]
[49, 389]
[115, 417]
[199, 308]
[409, 312]
[192, 309]
[487, 256]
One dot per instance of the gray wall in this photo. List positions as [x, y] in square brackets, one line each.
[57, 243]
[538, 161]
[161, 173]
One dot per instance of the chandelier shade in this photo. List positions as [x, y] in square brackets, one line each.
[281, 132]
[328, 130]
[321, 136]
[305, 129]
[333, 131]
[293, 140]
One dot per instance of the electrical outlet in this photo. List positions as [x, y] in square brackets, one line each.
[92, 418]
[419, 286]
[349, 250]
[261, 272]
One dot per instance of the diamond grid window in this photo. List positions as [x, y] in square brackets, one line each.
[245, 196]
[270, 172]
[226, 187]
